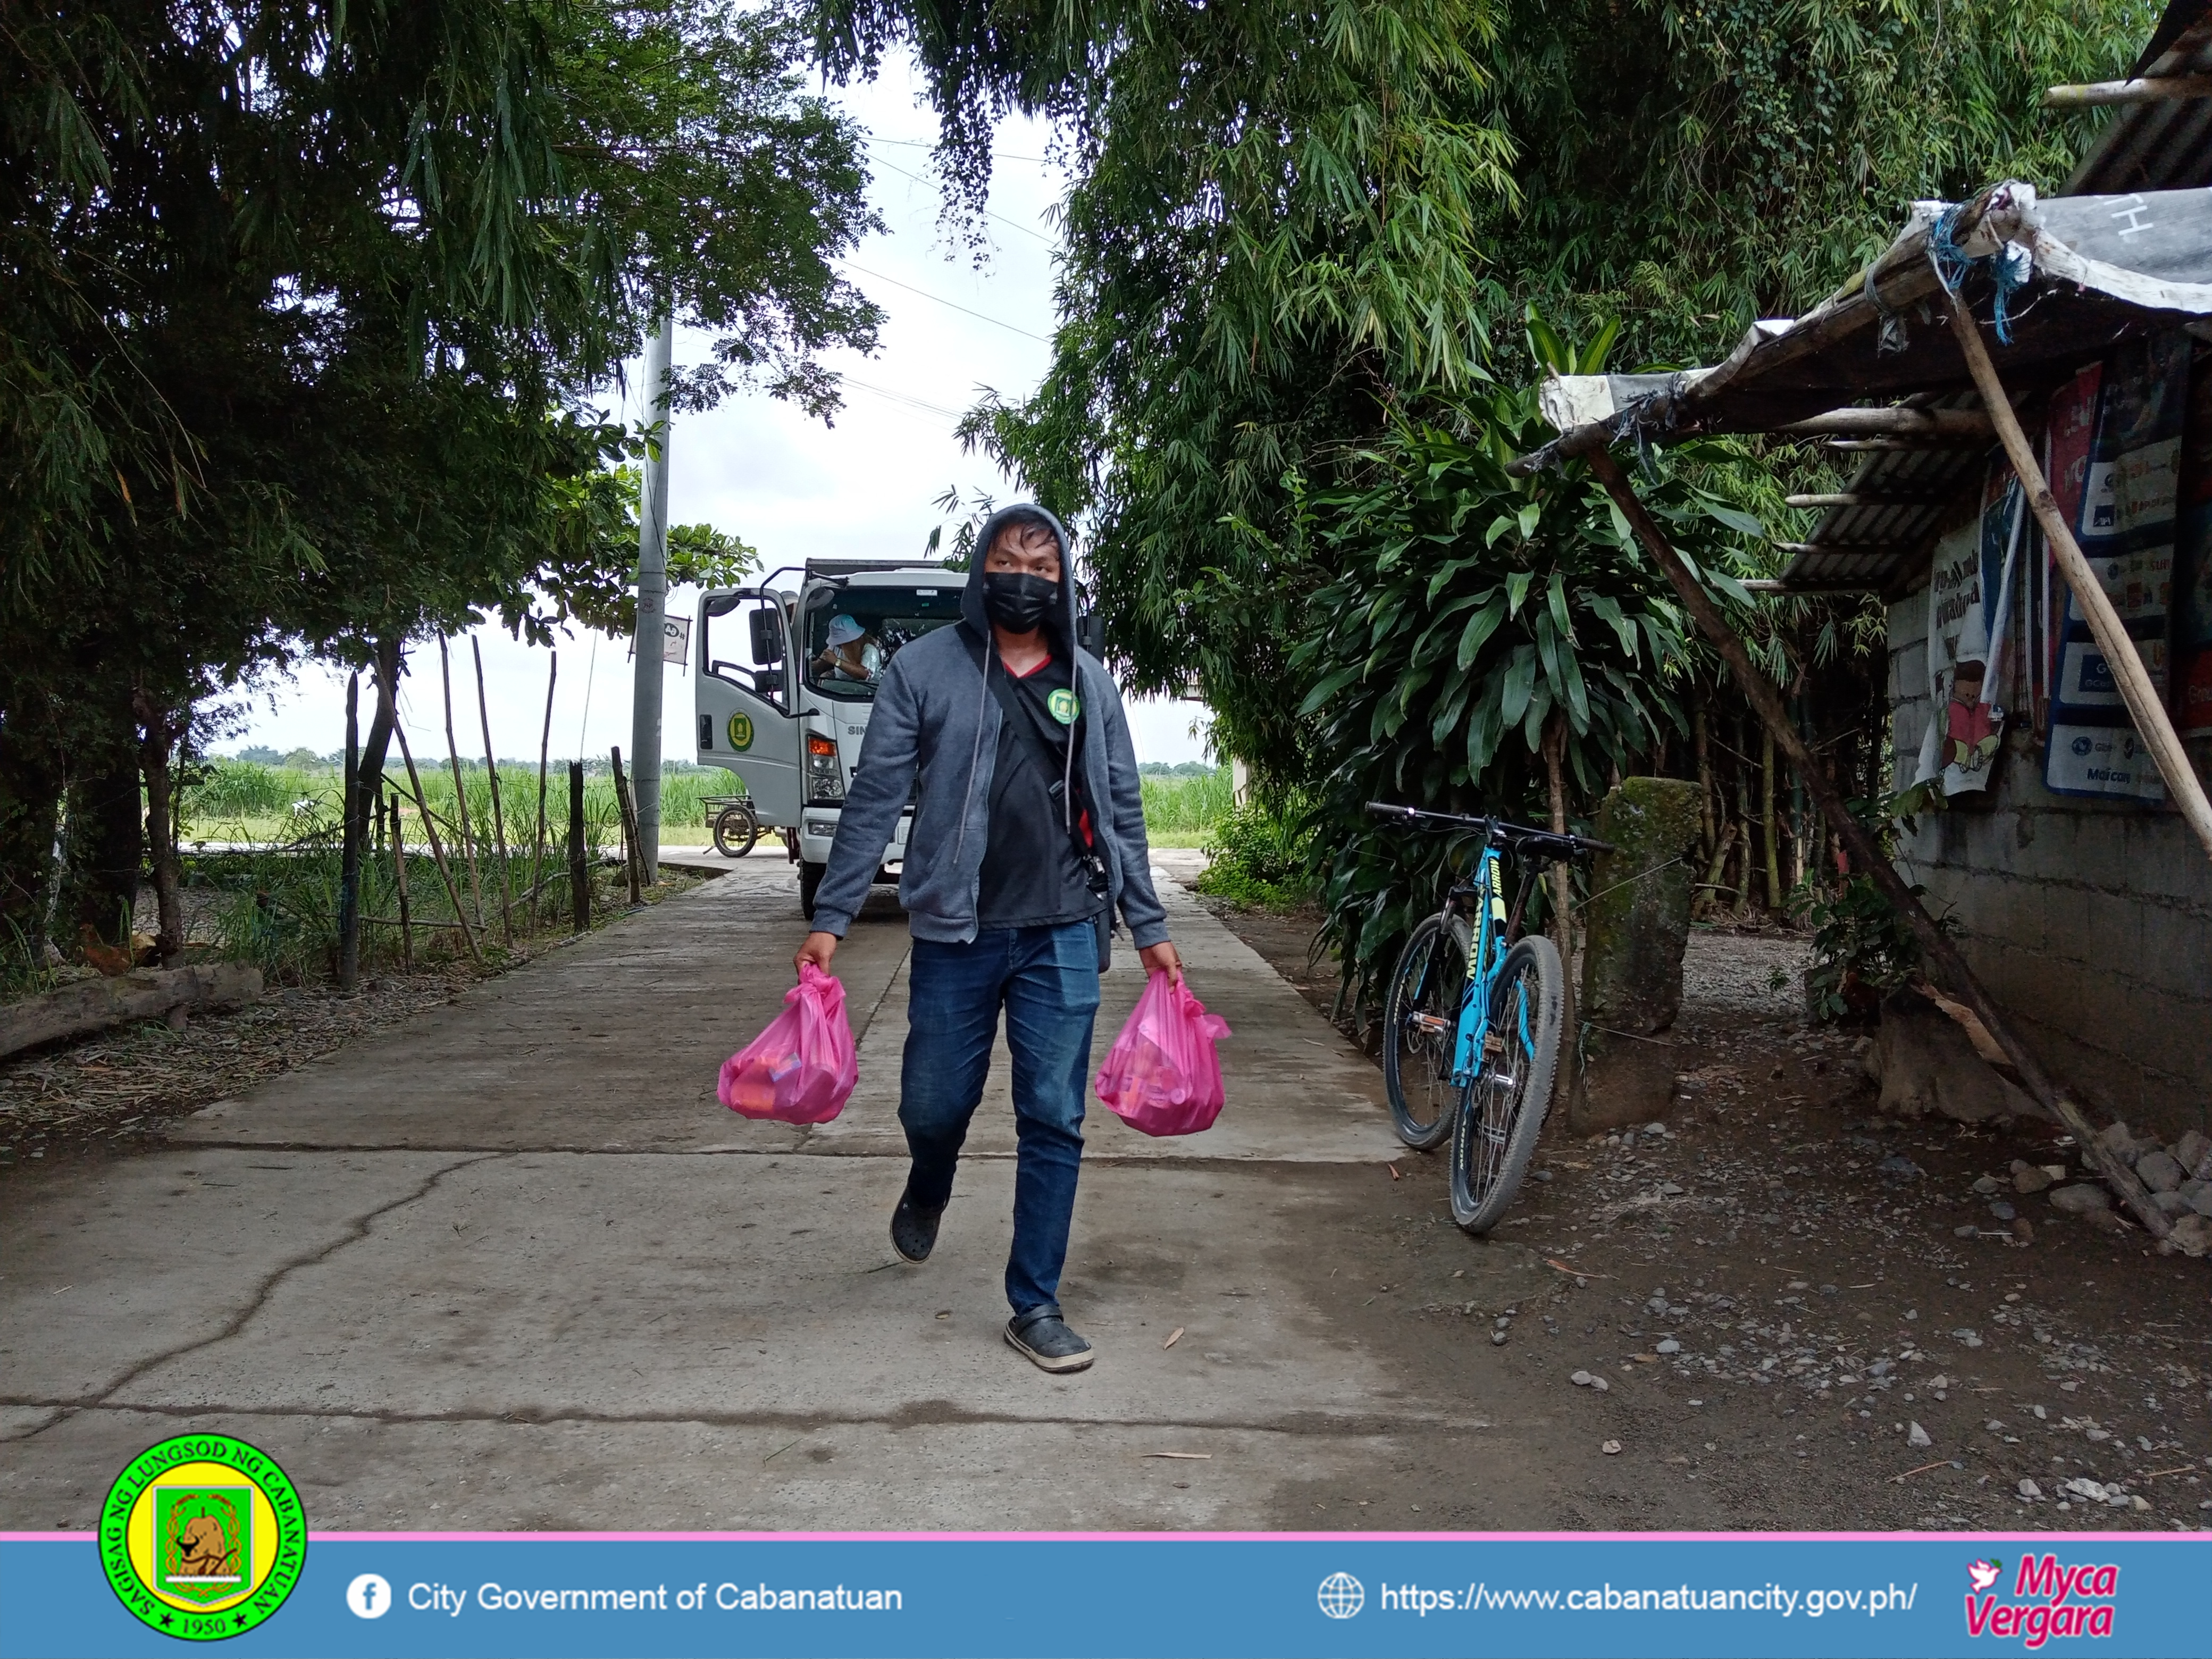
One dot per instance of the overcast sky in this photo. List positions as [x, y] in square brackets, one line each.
[788, 486]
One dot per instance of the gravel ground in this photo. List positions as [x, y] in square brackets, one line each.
[1798, 1314]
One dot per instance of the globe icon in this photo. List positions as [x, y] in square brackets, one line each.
[1341, 1595]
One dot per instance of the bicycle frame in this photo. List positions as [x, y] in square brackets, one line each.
[1484, 958]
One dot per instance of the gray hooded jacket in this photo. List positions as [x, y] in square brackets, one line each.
[935, 716]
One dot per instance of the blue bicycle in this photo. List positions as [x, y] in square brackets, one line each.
[1471, 1022]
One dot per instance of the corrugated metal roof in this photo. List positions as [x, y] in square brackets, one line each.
[2156, 146]
[2105, 266]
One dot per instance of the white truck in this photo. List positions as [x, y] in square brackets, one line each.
[787, 672]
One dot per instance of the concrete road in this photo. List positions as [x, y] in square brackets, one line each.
[511, 1266]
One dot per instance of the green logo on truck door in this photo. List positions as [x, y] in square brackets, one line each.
[741, 732]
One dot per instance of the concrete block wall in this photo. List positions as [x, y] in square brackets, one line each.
[2090, 921]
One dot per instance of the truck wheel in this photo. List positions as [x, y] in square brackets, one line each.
[810, 883]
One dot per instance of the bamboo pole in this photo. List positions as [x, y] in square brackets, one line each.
[2142, 697]
[399, 869]
[498, 816]
[1950, 968]
[579, 878]
[1562, 894]
[545, 749]
[633, 854]
[430, 828]
[1771, 831]
[461, 825]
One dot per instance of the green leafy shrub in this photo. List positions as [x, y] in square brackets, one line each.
[1262, 856]
[1863, 949]
[1470, 611]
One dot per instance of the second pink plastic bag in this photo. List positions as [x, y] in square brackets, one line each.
[802, 1068]
[1162, 1076]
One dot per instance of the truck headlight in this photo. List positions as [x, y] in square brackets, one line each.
[825, 777]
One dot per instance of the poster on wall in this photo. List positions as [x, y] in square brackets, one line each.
[1970, 597]
[2126, 524]
[2192, 622]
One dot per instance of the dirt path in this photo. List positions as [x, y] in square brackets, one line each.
[506, 1264]
[1776, 1293]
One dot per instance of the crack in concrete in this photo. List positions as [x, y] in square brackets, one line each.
[275, 1276]
[928, 1413]
[1119, 1160]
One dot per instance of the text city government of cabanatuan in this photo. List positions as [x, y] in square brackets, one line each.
[493, 1597]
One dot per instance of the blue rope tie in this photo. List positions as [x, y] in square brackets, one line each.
[2011, 266]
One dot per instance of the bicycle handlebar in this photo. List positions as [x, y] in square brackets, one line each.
[1498, 833]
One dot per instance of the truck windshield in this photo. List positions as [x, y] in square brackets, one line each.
[853, 632]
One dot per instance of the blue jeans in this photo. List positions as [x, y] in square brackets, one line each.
[1046, 978]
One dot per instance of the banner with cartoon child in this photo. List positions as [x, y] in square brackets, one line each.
[1969, 627]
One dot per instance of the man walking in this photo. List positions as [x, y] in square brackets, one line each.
[1029, 832]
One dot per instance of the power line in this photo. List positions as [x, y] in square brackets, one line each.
[1016, 224]
[954, 304]
[924, 143]
[901, 398]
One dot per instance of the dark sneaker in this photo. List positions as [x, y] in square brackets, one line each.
[1041, 1336]
[913, 1229]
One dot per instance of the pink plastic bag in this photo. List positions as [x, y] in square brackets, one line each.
[802, 1068]
[1162, 1076]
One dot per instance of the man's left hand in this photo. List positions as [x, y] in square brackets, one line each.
[1161, 959]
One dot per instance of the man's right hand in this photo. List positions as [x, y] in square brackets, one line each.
[819, 949]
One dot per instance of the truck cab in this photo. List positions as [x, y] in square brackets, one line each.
[787, 672]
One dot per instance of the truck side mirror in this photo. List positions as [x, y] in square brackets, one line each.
[768, 636]
[1091, 634]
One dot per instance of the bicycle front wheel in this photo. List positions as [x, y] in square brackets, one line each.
[1494, 1133]
[1420, 1021]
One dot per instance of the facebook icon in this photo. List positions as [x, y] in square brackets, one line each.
[369, 1596]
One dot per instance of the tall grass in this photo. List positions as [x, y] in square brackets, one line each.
[1180, 811]
[244, 800]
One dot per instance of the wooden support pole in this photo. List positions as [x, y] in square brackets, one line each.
[399, 872]
[579, 875]
[461, 826]
[545, 749]
[350, 853]
[430, 828]
[1943, 423]
[1948, 967]
[2147, 89]
[1884, 496]
[498, 816]
[2142, 697]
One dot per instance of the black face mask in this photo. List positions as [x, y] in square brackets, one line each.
[1018, 601]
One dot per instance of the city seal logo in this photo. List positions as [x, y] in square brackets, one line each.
[1065, 706]
[202, 1536]
[1342, 1595]
[741, 732]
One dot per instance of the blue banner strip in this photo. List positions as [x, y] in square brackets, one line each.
[1080, 1595]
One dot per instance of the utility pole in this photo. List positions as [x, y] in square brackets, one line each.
[652, 603]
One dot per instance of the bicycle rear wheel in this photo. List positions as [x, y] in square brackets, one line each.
[1420, 1020]
[736, 830]
[1494, 1134]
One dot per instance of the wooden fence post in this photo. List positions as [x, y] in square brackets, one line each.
[579, 875]
[633, 854]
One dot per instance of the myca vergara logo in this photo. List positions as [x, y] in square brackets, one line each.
[202, 1536]
[2048, 1599]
